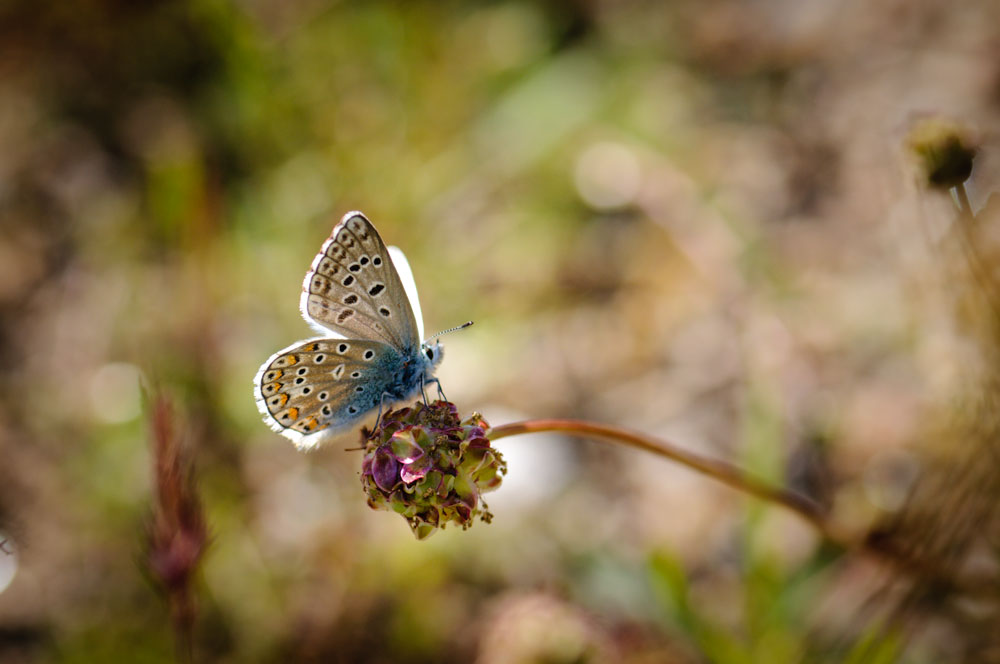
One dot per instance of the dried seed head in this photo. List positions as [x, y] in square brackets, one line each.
[178, 536]
[945, 149]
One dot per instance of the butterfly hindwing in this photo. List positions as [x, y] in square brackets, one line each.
[353, 289]
[319, 387]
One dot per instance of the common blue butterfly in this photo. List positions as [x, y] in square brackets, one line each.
[361, 297]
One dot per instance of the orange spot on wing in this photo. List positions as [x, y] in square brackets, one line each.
[292, 359]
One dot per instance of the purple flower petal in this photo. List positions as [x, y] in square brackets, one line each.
[385, 470]
[417, 469]
[479, 441]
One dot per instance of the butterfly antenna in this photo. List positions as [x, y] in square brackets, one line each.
[453, 329]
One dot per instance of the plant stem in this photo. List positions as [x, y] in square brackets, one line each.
[736, 478]
[182, 619]
[963, 202]
[720, 470]
[980, 273]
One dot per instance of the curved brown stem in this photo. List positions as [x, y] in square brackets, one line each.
[720, 470]
[738, 479]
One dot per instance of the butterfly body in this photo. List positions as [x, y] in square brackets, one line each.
[371, 353]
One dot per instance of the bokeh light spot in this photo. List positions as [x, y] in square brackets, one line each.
[607, 175]
[114, 392]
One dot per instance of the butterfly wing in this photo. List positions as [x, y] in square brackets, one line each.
[314, 389]
[354, 291]
[409, 286]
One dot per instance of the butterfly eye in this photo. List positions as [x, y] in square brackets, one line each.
[430, 353]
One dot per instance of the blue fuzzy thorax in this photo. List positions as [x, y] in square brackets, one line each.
[406, 371]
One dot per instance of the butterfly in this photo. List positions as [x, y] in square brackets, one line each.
[361, 297]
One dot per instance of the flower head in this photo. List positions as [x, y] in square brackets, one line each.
[945, 149]
[428, 465]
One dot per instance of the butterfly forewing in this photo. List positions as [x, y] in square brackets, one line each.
[353, 289]
[322, 386]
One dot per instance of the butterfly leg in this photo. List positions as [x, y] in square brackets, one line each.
[381, 403]
[437, 382]
[423, 392]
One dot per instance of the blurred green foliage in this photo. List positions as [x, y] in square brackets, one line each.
[689, 218]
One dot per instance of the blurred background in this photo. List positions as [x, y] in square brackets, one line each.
[696, 219]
